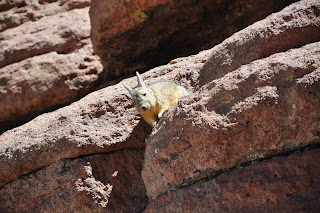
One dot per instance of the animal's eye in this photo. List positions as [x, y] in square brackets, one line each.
[144, 94]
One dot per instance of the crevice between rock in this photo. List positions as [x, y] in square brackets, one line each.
[72, 159]
[210, 174]
[104, 153]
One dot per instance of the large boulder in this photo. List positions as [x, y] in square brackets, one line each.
[264, 108]
[294, 26]
[43, 82]
[60, 32]
[46, 58]
[282, 184]
[139, 35]
[97, 183]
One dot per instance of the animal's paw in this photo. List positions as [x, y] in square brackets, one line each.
[160, 114]
[154, 123]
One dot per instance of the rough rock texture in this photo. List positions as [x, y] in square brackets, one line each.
[60, 32]
[294, 26]
[98, 183]
[17, 12]
[102, 122]
[282, 184]
[46, 57]
[264, 108]
[138, 35]
[87, 157]
[81, 128]
[42, 82]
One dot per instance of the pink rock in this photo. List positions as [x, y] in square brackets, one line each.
[292, 27]
[103, 121]
[249, 112]
[88, 156]
[81, 185]
[263, 108]
[42, 82]
[18, 12]
[46, 58]
[60, 33]
[286, 183]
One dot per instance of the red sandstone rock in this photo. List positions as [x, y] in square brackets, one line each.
[60, 33]
[46, 58]
[294, 26]
[103, 121]
[282, 184]
[264, 108]
[42, 82]
[17, 12]
[139, 35]
[247, 114]
[98, 183]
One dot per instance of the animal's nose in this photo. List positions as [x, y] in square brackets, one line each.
[144, 108]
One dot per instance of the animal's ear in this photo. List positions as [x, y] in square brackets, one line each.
[140, 81]
[128, 88]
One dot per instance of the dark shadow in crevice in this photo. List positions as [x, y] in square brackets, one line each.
[171, 31]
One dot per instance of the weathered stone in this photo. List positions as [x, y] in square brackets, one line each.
[18, 12]
[42, 82]
[262, 109]
[97, 183]
[60, 33]
[139, 35]
[282, 184]
[294, 26]
[103, 121]
[259, 110]
[46, 58]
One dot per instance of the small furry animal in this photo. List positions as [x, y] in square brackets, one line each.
[152, 101]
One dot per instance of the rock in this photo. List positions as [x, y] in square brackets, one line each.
[130, 35]
[42, 82]
[218, 121]
[58, 144]
[285, 183]
[18, 12]
[88, 156]
[60, 33]
[47, 59]
[295, 26]
[264, 108]
[100, 122]
[97, 183]
[103, 121]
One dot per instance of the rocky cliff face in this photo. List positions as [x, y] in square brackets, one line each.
[246, 140]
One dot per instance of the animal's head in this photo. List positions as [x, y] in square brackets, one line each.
[142, 96]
